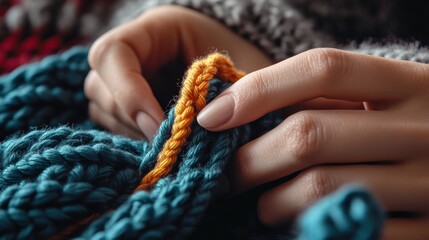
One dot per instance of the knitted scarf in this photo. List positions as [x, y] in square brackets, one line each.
[62, 176]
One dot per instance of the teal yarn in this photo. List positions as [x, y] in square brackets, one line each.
[56, 167]
[44, 93]
[350, 213]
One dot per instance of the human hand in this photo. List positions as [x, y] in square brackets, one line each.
[384, 146]
[135, 67]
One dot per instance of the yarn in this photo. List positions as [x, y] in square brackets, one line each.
[190, 103]
[31, 30]
[46, 93]
[348, 214]
[277, 27]
[57, 168]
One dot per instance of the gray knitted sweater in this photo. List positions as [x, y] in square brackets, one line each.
[283, 28]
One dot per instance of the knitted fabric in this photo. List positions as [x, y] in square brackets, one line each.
[31, 30]
[341, 216]
[53, 176]
[275, 26]
[284, 28]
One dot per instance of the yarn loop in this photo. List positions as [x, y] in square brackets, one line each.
[57, 168]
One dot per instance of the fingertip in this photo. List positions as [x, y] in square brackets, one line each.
[217, 113]
[98, 50]
[245, 101]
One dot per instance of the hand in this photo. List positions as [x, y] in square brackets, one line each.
[384, 146]
[135, 66]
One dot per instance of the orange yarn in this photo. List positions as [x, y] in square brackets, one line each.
[72, 229]
[192, 99]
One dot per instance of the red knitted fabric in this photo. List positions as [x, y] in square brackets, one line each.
[31, 30]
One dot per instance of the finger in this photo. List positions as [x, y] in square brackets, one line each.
[286, 201]
[326, 104]
[99, 94]
[114, 125]
[311, 138]
[328, 73]
[120, 71]
[398, 229]
[118, 58]
[323, 104]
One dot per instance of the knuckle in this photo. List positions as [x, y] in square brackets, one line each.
[256, 86]
[326, 64]
[100, 49]
[302, 135]
[318, 183]
[259, 85]
[172, 16]
[90, 85]
[127, 99]
[99, 95]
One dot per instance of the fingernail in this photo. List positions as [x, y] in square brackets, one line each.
[147, 124]
[217, 112]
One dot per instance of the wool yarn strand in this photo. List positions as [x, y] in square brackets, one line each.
[57, 167]
[192, 99]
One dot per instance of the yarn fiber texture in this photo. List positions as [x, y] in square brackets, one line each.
[285, 28]
[31, 30]
[341, 216]
[58, 168]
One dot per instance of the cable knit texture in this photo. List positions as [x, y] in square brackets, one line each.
[57, 168]
[53, 177]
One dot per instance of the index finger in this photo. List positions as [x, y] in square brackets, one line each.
[329, 73]
[120, 55]
[120, 71]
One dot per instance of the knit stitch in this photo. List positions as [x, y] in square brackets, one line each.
[275, 26]
[335, 216]
[31, 30]
[52, 176]
[284, 28]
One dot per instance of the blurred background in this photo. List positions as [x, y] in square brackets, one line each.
[33, 29]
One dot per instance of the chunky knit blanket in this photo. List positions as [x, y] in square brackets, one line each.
[61, 176]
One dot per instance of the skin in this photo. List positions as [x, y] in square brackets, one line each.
[349, 118]
[333, 147]
[128, 60]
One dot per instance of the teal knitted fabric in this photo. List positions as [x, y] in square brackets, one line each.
[348, 214]
[56, 168]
